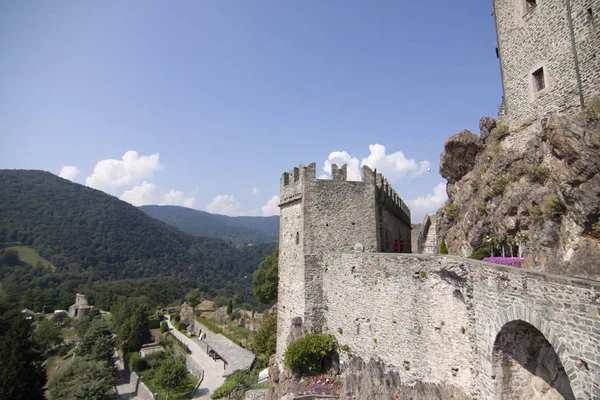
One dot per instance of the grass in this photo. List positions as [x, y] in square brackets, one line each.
[183, 393]
[57, 364]
[231, 330]
[31, 256]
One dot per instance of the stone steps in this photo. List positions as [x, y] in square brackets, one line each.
[430, 246]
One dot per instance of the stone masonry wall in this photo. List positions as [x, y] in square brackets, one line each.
[291, 278]
[541, 38]
[587, 39]
[399, 309]
[435, 319]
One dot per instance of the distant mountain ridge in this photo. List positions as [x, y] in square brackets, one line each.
[94, 239]
[202, 223]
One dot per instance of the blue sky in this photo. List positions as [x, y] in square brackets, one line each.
[206, 103]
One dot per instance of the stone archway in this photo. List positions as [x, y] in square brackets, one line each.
[526, 366]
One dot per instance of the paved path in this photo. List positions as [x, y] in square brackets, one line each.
[125, 388]
[213, 370]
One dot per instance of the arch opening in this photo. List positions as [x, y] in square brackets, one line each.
[526, 366]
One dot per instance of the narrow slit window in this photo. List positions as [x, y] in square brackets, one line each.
[530, 4]
[539, 80]
[297, 237]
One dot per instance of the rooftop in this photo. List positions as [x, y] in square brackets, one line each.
[235, 357]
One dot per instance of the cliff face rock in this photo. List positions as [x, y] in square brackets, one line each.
[460, 154]
[542, 180]
[373, 380]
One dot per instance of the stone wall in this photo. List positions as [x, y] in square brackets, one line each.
[142, 392]
[541, 38]
[435, 320]
[255, 394]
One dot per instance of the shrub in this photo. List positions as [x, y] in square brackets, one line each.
[137, 363]
[553, 207]
[181, 326]
[539, 175]
[309, 352]
[153, 322]
[452, 211]
[443, 247]
[481, 253]
[164, 327]
[230, 385]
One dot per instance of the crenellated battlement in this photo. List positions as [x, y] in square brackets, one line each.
[384, 216]
[391, 199]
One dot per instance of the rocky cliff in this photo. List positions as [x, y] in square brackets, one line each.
[541, 179]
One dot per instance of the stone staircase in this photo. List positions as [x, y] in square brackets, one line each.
[430, 246]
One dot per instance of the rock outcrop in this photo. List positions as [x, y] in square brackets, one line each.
[541, 179]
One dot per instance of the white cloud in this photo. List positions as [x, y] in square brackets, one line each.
[271, 207]
[177, 198]
[224, 204]
[140, 195]
[429, 203]
[129, 170]
[340, 158]
[69, 172]
[393, 166]
[255, 190]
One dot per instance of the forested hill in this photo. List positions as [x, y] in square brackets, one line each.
[91, 237]
[201, 223]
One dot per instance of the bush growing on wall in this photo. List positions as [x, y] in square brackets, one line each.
[443, 247]
[309, 352]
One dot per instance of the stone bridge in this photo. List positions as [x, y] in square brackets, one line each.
[474, 329]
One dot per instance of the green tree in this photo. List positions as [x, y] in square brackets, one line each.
[195, 297]
[22, 375]
[229, 307]
[10, 257]
[46, 335]
[85, 380]
[265, 339]
[98, 342]
[164, 327]
[265, 280]
[131, 322]
[171, 375]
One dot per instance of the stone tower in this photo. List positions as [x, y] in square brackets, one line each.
[322, 215]
[549, 54]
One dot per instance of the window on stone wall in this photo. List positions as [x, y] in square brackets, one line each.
[530, 4]
[539, 81]
[297, 237]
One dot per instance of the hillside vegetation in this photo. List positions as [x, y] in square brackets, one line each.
[201, 223]
[92, 238]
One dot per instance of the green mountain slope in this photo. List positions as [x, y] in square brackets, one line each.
[91, 237]
[201, 223]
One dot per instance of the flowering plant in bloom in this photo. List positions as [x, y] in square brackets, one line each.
[318, 384]
[510, 261]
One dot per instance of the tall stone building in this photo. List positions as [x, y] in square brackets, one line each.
[329, 215]
[549, 54]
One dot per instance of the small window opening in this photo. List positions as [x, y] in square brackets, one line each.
[590, 16]
[530, 4]
[297, 238]
[539, 81]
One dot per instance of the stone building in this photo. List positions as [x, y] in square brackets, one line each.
[319, 215]
[81, 308]
[549, 56]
